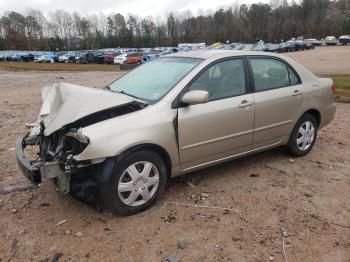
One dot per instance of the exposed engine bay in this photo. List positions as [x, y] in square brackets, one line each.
[57, 148]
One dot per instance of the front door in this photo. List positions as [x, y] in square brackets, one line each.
[223, 127]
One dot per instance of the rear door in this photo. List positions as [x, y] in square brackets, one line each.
[222, 127]
[278, 96]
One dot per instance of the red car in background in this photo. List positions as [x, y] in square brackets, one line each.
[109, 57]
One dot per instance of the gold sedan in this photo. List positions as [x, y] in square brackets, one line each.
[118, 147]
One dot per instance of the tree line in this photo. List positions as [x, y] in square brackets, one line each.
[273, 22]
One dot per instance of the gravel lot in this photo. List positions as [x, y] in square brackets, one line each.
[325, 60]
[308, 196]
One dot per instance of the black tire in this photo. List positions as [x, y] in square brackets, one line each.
[114, 169]
[292, 143]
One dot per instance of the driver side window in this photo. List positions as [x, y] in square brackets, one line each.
[222, 80]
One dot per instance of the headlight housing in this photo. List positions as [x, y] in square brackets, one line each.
[76, 142]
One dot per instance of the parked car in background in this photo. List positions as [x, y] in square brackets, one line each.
[50, 57]
[149, 56]
[344, 39]
[70, 57]
[63, 58]
[120, 59]
[262, 47]
[309, 46]
[300, 45]
[172, 49]
[27, 57]
[85, 58]
[8, 57]
[134, 58]
[22, 57]
[313, 41]
[99, 57]
[118, 147]
[39, 58]
[331, 40]
[273, 48]
[249, 47]
[285, 47]
[109, 57]
[239, 47]
[16, 58]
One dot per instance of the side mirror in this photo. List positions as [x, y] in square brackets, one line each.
[195, 97]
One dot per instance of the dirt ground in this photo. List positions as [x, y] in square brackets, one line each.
[325, 60]
[308, 197]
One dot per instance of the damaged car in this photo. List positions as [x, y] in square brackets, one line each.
[116, 148]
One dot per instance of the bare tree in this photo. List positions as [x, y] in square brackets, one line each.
[237, 23]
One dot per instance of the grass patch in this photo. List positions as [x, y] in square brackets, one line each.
[342, 83]
[32, 66]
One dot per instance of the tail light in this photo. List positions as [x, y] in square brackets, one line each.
[333, 88]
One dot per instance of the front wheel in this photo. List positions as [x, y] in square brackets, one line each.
[135, 182]
[303, 136]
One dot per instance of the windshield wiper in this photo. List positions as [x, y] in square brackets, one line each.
[125, 93]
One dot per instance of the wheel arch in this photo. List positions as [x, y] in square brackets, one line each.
[155, 148]
[316, 114]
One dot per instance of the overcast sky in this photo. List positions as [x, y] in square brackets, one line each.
[139, 7]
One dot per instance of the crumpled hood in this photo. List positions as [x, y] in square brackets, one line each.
[66, 103]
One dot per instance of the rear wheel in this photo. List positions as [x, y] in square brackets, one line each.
[303, 136]
[135, 182]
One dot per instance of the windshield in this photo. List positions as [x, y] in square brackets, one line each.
[151, 81]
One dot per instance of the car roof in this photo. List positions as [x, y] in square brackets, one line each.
[206, 54]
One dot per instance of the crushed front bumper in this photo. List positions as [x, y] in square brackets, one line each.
[35, 173]
[29, 171]
[83, 185]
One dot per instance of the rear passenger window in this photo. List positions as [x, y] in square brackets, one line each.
[269, 73]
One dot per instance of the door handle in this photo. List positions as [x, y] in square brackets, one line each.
[297, 93]
[245, 103]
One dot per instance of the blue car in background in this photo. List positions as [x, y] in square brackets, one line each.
[16, 58]
[22, 57]
[27, 57]
[8, 57]
[39, 58]
[50, 57]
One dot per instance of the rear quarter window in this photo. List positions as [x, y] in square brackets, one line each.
[294, 79]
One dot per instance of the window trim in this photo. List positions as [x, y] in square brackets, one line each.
[288, 66]
[248, 85]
